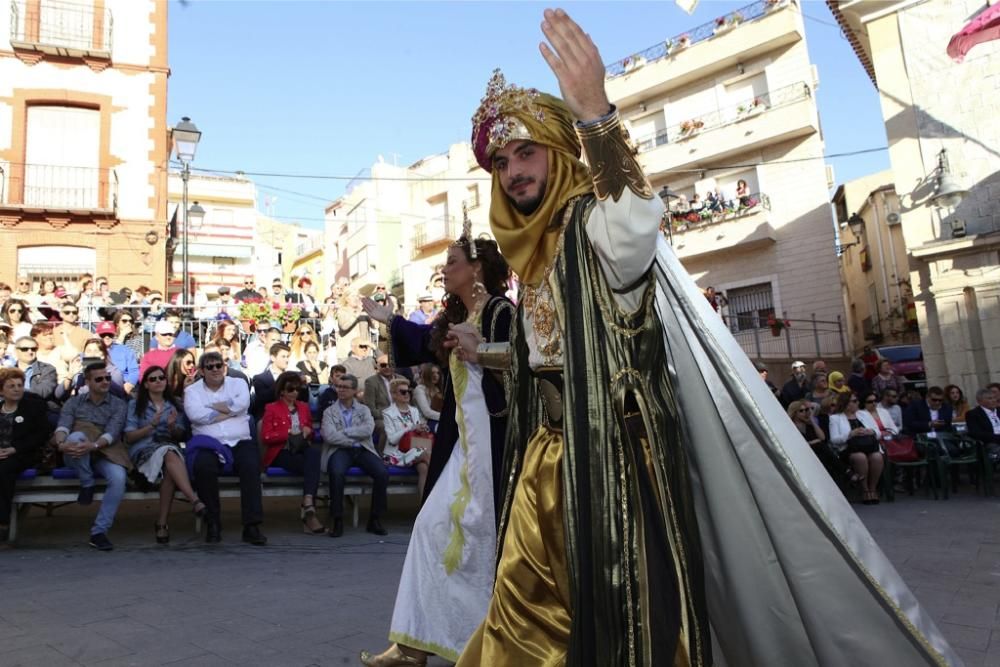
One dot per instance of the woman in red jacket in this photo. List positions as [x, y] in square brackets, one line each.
[286, 431]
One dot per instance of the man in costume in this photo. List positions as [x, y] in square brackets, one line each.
[640, 525]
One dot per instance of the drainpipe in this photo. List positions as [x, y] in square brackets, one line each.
[881, 255]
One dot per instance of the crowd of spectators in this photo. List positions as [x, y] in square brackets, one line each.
[121, 387]
[852, 422]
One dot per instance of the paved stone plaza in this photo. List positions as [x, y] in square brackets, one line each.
[307, 600]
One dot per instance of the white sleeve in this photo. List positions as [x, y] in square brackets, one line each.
[623, 234]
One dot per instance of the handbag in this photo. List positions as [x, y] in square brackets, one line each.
[410, 440]
[296, 443]
[902, 449]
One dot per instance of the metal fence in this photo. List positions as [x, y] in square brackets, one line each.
[804, 337]
[55, 186]
[76, 26]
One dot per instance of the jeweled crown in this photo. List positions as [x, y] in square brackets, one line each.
[493, 124]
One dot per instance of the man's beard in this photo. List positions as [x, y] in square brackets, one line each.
[531, 205]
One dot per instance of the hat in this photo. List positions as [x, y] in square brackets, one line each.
[223, 290]
[426, 296]
[106, 328]
[276, 281]
[797, 364]
[164, 327]
[60, 292]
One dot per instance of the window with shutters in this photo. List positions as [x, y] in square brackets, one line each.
[62, 157]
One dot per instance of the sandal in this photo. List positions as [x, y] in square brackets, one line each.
[198, 508]
[162, 533]
[310, 524]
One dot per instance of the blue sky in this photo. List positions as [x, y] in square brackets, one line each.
[324, 88]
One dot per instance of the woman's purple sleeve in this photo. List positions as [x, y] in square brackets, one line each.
[410, 342]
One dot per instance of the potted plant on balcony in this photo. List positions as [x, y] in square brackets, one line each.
[721, 25]
[668, 47]
[633, 63]
[689, 128]
[252, 313]
[735, 19]
[287, 315]
[683, 42]
[777, 326]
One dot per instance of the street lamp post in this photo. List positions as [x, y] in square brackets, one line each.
[666, 195]
[186, 136]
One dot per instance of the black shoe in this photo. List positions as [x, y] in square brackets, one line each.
[86, 495]
[252, 535]
[213, 532]
[101, 542]
[375, 527]
[337, 529]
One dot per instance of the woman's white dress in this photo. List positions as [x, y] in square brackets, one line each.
[447, 577]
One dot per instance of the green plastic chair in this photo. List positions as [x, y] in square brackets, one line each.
[933, 475]
[956, 450]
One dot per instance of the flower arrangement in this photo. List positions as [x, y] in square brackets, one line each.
[288, 313]
[720, 22]
[736, 18]
[691, 126]
[777, 325]
[684, 41]
[633, 63]
[254, 312]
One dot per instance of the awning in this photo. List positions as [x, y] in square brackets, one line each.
[984, 28]
[220, 250]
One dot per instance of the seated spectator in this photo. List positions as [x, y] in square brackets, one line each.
[826, 408]
[164, 334]
[181, 373]
[7, 351]
[956, 399]
[287, 436]
[304, 334]
[886, 379]
[402, 423]
[43, 334]
[819, 366]
[820, 389]
[24, 428]
[360, 362]
[743, 194]
[182, 339]
[797, 386]
[312, 368]
[224, 352]
[217, 407]
[153, 428]
[94, 352]
[120, 356]
[228, 335]
[258, 350]
[329, 395]
[857, 436]
[70, 336]
[429, 395]
[377, 396]
[983, 422]
[801, 415]
[88, 436]
[263, 383]
[15, 312]
[856, 380]
[931, 415]
[425, 313]
[40, 378]
[889, 404]
[870, 358]
[838, 383]
[886, 424]
[347, 429]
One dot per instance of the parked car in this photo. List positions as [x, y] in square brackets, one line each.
[907, 363]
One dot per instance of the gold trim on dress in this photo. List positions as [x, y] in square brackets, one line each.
[612, 160]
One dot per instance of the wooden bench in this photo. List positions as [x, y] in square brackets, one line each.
[61, 487]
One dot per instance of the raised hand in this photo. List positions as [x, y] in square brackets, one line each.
[577, 64]
[376, 311]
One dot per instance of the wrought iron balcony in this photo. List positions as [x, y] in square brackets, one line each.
[706, 31]
[725, 116]
[432, 232]
[723, 211]
[61, 27]
[58, 188]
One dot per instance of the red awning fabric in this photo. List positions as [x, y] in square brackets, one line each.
[983, 28]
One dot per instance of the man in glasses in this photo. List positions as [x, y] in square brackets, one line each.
[360, 363]
[348, 428]
[248, 293]
[217, 407]
[88, 436]
[226, 352]
[70, 336]
[890, 401]
[40, 378]
[23, 289]
[165, 335]
[931, 415]
[182, 339]
[377, 394]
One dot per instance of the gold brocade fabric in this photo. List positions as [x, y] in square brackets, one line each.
[528, 621]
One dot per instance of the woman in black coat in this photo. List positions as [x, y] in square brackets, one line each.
[24, 428]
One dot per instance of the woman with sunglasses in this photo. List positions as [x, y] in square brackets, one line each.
[181, 373]
[304, 335]
[315, 370]
[128, 332]
[404, 422]
[801, 413]
[854, 432]
[286, 433]
[15, 312]
[153, 427]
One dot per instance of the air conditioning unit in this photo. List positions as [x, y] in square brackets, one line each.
[892, 218]
[830, 176]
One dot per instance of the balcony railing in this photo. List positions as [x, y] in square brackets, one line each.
[706, 31]
[433, 231]
[804, 337]
[62, 27]
[58, 188]
[723, 211]
[725, 116]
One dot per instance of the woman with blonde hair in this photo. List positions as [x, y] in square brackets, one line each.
[403, 422]
[304, 334]
[428, 395]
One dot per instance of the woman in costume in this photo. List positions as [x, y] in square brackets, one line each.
[445, 585]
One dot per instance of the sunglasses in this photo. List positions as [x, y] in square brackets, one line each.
[157, 378]
[70, 312]
[24, 284]
[15, 310]
[27, 349]
[345, 386]
[126, 320]
[107, 335]
[383, 365]
[101, 378]
[403, 392]
[167, 335]
[291, 390]
[870, 400]
[305, 331]
[803, 410]
[213, 366]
